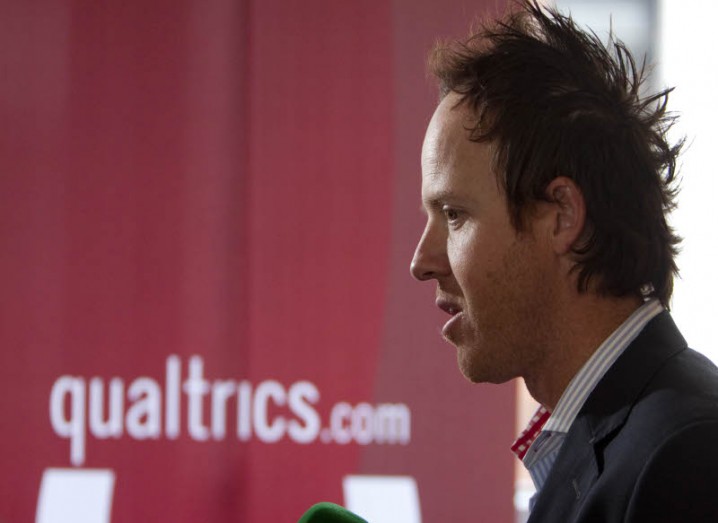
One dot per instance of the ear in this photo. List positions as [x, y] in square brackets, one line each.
[570, 213]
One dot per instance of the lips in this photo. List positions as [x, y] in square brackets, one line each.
[454, 309]
[448, 306]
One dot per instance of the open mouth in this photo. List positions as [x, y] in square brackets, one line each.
[451, 307]
[448, 306]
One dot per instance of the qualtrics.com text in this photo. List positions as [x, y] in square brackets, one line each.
[267, 411]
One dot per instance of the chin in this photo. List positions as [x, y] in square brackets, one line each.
[484, 372]
[494, 379]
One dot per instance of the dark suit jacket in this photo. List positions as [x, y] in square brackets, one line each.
[644, 447]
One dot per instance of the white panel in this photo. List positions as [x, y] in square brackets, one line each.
[75, 496]
[383, 499]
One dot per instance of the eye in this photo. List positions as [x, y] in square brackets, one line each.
[452, 215]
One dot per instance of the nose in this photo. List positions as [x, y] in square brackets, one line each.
[430, 259]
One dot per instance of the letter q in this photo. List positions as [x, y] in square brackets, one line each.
[74, 426]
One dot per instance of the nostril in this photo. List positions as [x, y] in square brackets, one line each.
[425, 276]
[429, 266]
[419, 272]
[430, 260]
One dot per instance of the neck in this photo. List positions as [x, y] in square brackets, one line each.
[578, 330]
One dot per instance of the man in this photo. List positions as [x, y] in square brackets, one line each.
[546, 180]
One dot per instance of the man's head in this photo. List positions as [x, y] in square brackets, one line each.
[556, 102]
[542, 165]
[490, 277]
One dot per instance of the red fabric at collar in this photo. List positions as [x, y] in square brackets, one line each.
[530, 433]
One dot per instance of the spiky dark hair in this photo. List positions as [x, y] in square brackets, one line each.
[556, 101]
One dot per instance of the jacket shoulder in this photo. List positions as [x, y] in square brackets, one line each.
[678, 480]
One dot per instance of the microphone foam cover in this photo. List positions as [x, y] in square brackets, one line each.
[329, 513]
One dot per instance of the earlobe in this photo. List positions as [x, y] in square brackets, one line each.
[570, 215]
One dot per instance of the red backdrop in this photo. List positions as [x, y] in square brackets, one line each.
[212, 206]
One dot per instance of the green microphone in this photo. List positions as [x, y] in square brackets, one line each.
[329, 513]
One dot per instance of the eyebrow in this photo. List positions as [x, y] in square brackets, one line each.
[438, 199]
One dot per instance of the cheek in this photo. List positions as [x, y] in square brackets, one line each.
[460, 248]
[473, 257]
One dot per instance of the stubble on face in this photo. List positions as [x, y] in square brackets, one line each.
[507, 321]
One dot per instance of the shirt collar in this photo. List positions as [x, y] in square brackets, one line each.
[583, 383]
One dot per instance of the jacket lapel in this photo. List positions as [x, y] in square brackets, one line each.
[602, 416]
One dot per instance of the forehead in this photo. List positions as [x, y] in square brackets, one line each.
[445, 130]
[450, 161]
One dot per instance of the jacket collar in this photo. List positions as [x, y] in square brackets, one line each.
[607, 408]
